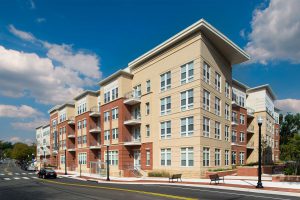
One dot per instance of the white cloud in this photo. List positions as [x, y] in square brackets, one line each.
[21, 34]
[275, 33]
[40, 78]
[29, 125]
[23, 111]
[40, 20]
[288, 105]
[32, 4]
[16, 139]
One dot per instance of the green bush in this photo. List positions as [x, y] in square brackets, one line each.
[219, 169]
[161, 173]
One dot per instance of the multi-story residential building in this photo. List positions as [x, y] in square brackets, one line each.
[175, 108]
[53, 112]
[43, 145]
[276, 137]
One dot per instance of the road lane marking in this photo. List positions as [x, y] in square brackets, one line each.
[2, 174]
[123, 190]
[30, 173]
[10, 174]
[7, 179]
[17, 178]
[24, 173]
[17, 174]
[35, 177]
[221, 192]
[25, 177]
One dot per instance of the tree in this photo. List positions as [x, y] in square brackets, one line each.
[291, 152]
[21, 152]
[289, 127]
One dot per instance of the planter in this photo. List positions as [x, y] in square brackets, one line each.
[253, 171]
[285, 178]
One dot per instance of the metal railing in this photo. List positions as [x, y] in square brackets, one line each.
[95, 126]
[95, 109]
[133, 139]
[133, 95]
[133, 117]
[234, 120]
[95, 143]
[71, 146]
[250, 143]
[250, 111]
[250, 128]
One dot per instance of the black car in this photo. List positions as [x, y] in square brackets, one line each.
[47, 173]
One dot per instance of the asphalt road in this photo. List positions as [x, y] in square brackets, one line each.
[17, 184]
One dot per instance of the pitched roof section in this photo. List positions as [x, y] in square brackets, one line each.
[261, 87]
[70, 104]
[240, 84]
[115, 75]
[54, 108]
[231, 51]
[86, 92]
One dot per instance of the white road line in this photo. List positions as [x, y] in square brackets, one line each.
[17, 174]
[24, 173]
[35, 177]
[9, 174]
[1, 174]
[30, 173]
[7, 179]
[231, 193]
[17, 178]
[25, 178]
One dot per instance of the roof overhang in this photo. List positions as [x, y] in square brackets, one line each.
[85, 93]
[114, 76]
[69, 104]
[230, 50]
[53, 109]
[262, 87]
[239, 84]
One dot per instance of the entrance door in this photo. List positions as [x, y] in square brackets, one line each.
[137, 159]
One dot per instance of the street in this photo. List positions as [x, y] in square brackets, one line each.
[18, 184]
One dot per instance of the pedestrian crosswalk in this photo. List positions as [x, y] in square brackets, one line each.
[21, 178]
[17, 174]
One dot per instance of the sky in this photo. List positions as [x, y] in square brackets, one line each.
[52, 50]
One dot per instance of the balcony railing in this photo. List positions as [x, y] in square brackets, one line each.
[71, 120]
[71, 147]
[95, 144]
[133, 120]
[234, 121]
[95, 111]
[71, 135]
[133, 97]
[95, 128]
[250, 145]
[250, 112]
[250, 129]
[132, 141]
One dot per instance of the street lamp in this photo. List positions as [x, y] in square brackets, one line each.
[66, 161]
[259, 122]
[107, 162]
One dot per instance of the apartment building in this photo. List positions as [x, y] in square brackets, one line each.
[175, 108]
[43, 145]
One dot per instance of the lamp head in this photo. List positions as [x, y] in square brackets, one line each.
[259, 120]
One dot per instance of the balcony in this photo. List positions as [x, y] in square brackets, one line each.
[71, 147]
[95, 129]
[134, 120]
[95, 111]
[71, 120]
[250, 129]
[95, 145]
[132, 98]
[250, 112]
[71, 135]
[250, 145]
[234, 121]
[133, 141]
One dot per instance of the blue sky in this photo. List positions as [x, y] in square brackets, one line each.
[45, 43]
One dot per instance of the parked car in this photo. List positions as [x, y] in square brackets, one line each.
[47, 173]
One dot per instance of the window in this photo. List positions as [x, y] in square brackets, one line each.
[115, 113]
[148, 86]
[79, 140]
[206, 73]
[242, 101]
[165, 157]
[114, 93]
[242, 137]
[165, 81]
[187, 156]
[227, 89]
[226, 133]
[62, 159]
[233, 136]
[226, 157]
[242, 157]
[147, 108]
[187, 99]
[84, 139]
[78, 126]
[242, 119]
[84, 123]
[82, 158]
[233, 158]
[234, 117]
[206, 126]
[217, 106]
[227, 116]
[206, 157]
[217, 157]
[187, 72]
[147, 130]
[165, 129]
[206, 99]
[113, 157]
[115, 133]
[187, 126]
[217, 130]
[106, 116]
[218, 81]
[107, 97]
[106, 135]
[147, 157]
[165, 106]
[137, 91]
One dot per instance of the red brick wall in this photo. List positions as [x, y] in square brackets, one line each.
[144, 148]
[252, 171]
[53, 158]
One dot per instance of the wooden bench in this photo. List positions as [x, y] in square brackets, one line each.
[215, 178]
[175, 176]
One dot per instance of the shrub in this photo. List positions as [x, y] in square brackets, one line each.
[161, 173]
[219, 169]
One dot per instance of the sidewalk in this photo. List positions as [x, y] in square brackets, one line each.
[239, 183]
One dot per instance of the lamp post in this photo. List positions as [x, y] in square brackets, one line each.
[107, 162]
[66, 161]
[259, 122]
